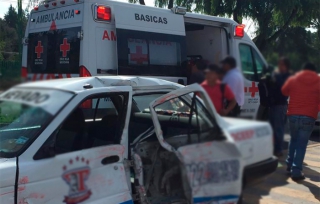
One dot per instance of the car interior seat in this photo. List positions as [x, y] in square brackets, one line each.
[72, 132]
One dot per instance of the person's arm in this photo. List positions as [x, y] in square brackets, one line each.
[286, 87]
[228, 94]
[230, 107]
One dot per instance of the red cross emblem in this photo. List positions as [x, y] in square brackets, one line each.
[253, 89]
[65, 47]
[138, 56]
[39, 49]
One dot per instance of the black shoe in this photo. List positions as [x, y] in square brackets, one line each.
[288, 169]
[298, 178]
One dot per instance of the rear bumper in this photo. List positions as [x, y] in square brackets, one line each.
[258, 171]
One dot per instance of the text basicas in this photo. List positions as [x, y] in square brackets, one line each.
[150, 18]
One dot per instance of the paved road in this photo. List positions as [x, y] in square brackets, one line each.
[278, 188]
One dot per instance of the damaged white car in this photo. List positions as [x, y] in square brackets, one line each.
[125, 140]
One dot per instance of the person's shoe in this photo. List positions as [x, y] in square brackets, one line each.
[288, 169]
[298, 178]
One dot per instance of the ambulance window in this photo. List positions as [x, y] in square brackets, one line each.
[258, 62]
[247, 62]
[150, 54]
[54, 51]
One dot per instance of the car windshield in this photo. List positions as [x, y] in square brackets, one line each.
[20, 124]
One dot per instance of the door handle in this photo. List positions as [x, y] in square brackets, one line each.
[110, 160]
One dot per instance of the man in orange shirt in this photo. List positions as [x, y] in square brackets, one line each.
[303, 90]
[218, 93]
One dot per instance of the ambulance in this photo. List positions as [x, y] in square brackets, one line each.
[69, 38]
[159, 143]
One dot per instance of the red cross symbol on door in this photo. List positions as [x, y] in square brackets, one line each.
[65, 47]
[253, 89]
[138, 56]
[39, 49]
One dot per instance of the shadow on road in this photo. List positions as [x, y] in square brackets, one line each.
[313, 176]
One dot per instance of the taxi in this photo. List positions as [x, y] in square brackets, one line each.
[125, 140]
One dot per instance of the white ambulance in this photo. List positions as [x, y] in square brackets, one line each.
[157, 144]
[68, 38]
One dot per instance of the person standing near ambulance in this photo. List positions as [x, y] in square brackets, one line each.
[197, 75]
[303, 90]
[217, 91]
[279, 104]
[234, 79]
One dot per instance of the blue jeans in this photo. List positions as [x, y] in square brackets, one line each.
[277, 116]
[300, 129]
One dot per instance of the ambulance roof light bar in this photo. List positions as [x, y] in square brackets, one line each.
[179, 10]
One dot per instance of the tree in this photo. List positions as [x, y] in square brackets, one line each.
[141, 2]
[9, 39]
[272, 17]
[11, 17]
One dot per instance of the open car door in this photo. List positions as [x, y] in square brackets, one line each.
[210, 166]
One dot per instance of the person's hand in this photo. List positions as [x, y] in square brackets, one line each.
[224, 112]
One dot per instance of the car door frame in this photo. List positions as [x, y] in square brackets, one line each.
[192, 164]
[26, 158]
[182, 91]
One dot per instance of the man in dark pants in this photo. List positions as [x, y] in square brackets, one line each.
[278, 108]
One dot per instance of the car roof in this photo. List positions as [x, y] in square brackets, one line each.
[77, 84]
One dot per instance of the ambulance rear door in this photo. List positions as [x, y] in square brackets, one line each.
[150, 42]
[54, 38]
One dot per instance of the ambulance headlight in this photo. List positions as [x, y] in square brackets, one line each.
[179, 10]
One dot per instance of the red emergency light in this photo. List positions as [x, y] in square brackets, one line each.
[36, 8]
[76, 1]
[239, 31]
[84, 72]
[54, 3]
[46, 5]
[62, 2]
[103, 13]
[24, 72]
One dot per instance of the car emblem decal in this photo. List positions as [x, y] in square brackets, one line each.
[76, 177]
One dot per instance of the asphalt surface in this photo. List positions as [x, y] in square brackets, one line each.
[279, 188]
